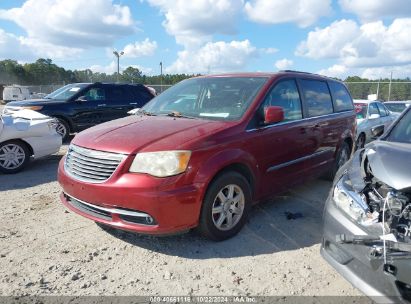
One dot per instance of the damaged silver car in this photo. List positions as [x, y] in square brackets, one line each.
[367, 217]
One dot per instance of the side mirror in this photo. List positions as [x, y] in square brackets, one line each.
[377, 131]
[374, 116]
[133, 111]
[81, 99]
[273, 114]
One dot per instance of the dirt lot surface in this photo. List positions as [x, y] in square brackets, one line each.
[47, 250]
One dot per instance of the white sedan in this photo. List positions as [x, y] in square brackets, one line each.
[23, 135]
[370, 114]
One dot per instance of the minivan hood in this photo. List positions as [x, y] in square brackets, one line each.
[34, 102]
[390, 162]
[150, 133]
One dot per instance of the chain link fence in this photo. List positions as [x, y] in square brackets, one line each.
[381, 90]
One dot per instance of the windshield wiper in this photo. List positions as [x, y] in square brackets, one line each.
[178, 114]
[144, 112]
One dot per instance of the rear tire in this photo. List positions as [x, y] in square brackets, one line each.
[360, 142]
[343, 156]
[14, 156]
[226, 206]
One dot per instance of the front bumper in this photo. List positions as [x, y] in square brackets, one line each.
[354, 262]
[126, 199]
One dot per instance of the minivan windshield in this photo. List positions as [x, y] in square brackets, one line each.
[401, 132]
[67, 91]
[215, 98]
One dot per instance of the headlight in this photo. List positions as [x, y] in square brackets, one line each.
[161, 164]
[34, 108]
[352, 203]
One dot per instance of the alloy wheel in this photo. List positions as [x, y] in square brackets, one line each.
[12, 156]
[228, 207]
[61, 129]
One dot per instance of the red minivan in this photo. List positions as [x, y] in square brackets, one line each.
[201, 153]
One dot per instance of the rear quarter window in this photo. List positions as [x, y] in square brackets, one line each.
[341, 98]
[317, 97]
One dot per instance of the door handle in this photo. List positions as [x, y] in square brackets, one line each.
[303, 130]
[133, 103]
[101, 105]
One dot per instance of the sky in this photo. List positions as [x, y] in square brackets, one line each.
[338, 38]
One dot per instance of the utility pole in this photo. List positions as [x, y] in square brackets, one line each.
[378, 88]
[161, 77]
[389, 88]
[118, 55]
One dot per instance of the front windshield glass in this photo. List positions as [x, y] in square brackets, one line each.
[66, 92]
[401, 132]
[216, 98]
[361, 110]
[396, 107]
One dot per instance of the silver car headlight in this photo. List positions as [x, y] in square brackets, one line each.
[162, 163]
[351, 203]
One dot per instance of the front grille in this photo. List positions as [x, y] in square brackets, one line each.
[91, 165]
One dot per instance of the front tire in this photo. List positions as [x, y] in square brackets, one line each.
[226, 206]
[14, 156]
[62, 129]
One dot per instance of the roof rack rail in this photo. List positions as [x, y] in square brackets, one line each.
[292, 71]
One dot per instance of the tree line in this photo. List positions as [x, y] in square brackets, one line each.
[45, 72]
[360, 88]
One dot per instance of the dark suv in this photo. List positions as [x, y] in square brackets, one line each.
[79, 106]
[201, 153]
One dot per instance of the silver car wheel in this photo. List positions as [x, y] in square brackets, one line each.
[228, 207]
[61, 129]
[12, 156]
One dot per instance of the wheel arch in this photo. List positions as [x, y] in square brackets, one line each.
[22, 141]
[240, 168]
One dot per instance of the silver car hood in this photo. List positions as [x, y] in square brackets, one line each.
[390, 162]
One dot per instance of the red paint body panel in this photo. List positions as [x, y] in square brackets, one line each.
[175, 202]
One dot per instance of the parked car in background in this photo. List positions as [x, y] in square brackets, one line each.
[202, 152]
[397, 106]
[23, 135]
[79, 106]
[370, 114]
[15, 92]
[367, 217]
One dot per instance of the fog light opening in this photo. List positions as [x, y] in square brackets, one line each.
[149, 220]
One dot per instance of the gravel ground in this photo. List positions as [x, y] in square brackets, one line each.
[46, 249]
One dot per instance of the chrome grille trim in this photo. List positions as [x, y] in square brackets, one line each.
[91, 166]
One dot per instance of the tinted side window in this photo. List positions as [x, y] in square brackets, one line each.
[285, 94]
[373, 109]
[142, 94]
[95, 94]
[381, 108]
[317, 97]
[117, 93]
[342, 99]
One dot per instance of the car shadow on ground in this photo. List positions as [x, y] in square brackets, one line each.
[37, 172]
[287, 222]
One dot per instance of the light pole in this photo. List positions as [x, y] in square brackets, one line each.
[118, 55]
[161, 77]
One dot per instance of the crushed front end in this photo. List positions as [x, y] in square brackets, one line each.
[367, 222]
